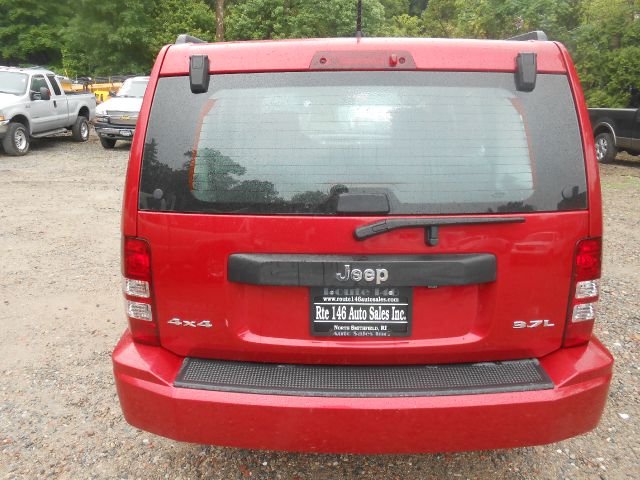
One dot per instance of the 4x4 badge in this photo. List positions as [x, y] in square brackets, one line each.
[190, 323]
[378, 275]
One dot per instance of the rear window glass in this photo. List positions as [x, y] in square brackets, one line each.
[432, 142]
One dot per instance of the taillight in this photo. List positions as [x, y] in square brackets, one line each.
[138, 290]
[585, 291]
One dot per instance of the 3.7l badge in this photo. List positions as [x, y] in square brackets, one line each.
[533, 324]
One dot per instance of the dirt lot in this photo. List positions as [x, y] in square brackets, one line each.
[61, 314]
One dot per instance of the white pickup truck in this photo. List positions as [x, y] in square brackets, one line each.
[116, 118]
[33, 105]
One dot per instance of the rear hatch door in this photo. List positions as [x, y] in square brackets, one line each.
[362, 217]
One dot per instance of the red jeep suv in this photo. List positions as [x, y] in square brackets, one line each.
[363, 245]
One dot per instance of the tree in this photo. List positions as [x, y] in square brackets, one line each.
[606, 50]
[441, 18]
[30, 32]
[174, 17]
[219, 20]
[258, 19]
[115, 37]
[264, 19]
[497, 19]
[336, 18]
[105, 38]
[417, 7]
[395, 8]
[403, 26]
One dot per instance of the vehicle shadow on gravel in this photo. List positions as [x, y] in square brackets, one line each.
[41, 144]
[626, 163]
[50, 143]
[625, 160]
[224, 462]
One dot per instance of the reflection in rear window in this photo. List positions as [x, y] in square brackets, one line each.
[431, 142]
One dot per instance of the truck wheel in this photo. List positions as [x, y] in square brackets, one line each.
[605, 147]
[80, 129]
[16, 140]
[107, 142]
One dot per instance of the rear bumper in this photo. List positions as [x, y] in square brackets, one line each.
[145, 374]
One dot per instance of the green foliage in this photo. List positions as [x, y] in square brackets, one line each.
[266, 19]
[173, 17]
[258, 19]
[30, 32]
[106, 37]
[500, 18]
[109, 37]
[441, 18]
[417, 7]
[85, 37]
[336, 18]
[403, 26]
[606, 50]
[395, 8]
[603, 36]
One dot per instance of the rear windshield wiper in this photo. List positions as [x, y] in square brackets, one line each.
[429, 224]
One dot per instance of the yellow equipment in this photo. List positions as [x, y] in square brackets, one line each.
[101, 89]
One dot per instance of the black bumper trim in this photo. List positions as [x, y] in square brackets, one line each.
[362, 381]
[322, 270]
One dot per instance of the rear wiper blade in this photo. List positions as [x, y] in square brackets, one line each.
[429, 224]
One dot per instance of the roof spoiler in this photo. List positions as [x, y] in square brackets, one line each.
[184, 38]
[538, 35]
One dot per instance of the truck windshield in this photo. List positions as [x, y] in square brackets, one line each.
[133, 88]
[13, 82]
[432, 142]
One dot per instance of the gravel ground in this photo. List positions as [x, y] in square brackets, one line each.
[61, 314]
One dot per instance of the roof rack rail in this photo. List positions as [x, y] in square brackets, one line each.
[184, 38]
[535, 35]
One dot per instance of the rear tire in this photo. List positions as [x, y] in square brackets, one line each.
[605, 147]
[80, 129]
[107, 142]
[16, 140]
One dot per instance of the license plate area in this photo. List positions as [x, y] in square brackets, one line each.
[360, 312]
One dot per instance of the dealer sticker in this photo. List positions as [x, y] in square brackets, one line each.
[360, 312]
